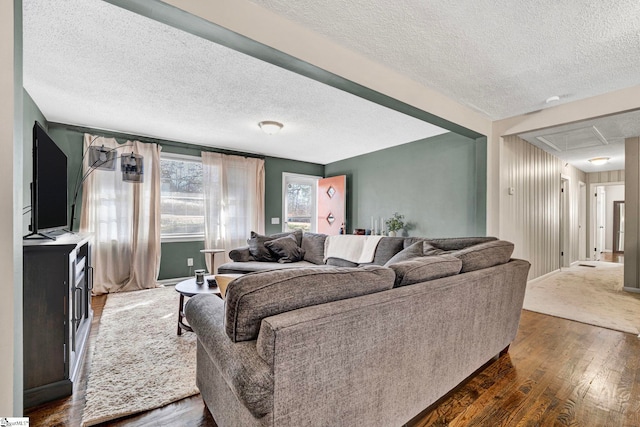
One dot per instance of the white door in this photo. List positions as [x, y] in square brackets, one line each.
[299, 202]
[582, 219]
[601, 221]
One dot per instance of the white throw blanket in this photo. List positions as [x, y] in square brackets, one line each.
[354, 248]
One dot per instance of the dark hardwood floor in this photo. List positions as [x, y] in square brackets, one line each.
[617, 257]
[557, 373]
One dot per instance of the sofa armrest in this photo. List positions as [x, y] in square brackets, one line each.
[245, 372]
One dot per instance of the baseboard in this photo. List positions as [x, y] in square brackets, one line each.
[544, 276]
[633, 290]
[172, 282]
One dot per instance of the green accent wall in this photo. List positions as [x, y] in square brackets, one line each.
[438, 183]
[173, 263]
[274, 167]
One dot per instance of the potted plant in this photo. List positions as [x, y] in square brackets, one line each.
[394, 224]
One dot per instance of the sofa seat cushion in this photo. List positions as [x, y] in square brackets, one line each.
[255, 266]
[424, 268]
[484, 255]
[253, 297]
[245, 372]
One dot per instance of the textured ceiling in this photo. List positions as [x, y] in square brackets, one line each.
[501, 57]
[577, 142]
[89, 63]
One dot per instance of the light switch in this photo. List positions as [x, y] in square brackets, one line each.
[275, 221]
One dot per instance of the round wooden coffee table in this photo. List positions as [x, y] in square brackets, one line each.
[189, 288]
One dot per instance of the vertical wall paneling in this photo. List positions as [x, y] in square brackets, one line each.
[632, 213]
[530, 205]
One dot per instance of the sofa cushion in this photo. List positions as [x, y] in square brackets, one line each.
[408, 253]
[429, 250]
[484, 255]
[339, 262]
[387, 248]
[423, 268]
[257, 266]
[260, 252]
[242, 254]
[449, 243]
[285, 249]
[313, 245]
[253, 297]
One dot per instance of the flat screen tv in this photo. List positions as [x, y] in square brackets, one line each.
[49, 185]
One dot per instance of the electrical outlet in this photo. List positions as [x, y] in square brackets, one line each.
[189, 262]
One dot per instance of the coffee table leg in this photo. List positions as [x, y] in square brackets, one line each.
[180, 308]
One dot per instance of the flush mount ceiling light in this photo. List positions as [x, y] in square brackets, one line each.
[599, 161]
[552, 99]
[270, 127]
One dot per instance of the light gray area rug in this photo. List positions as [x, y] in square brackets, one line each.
[591, 295]
[139, 362]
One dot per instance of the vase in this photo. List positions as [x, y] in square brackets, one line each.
[392, 234]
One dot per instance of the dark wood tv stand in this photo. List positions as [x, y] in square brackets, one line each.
[57, 314]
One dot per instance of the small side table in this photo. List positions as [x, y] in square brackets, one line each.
[213, 252]
[189, 288]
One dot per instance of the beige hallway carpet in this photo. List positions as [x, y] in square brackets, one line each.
[591, 295]
[139, 362]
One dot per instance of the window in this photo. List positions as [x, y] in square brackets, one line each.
[299, 202]
[181, 198]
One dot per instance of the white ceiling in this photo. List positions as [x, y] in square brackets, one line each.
[499, 57]
[577, 142]
[89, 63]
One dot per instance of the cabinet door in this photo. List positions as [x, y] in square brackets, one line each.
[46, 275]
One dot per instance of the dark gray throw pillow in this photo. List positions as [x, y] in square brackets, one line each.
[430, 250]
[285, 249]
[415, 250]
[313, 245]
[257, 248]
[242, 254]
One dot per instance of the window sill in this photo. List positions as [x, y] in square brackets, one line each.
[182, 238]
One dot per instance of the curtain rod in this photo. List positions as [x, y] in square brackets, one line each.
[162, 142]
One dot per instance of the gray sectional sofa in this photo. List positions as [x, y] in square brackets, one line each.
[376, 344]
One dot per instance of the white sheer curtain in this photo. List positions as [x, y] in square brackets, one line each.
[233, 200]
[124, 219]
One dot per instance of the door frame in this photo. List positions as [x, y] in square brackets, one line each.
[307, 179]
[592, 217]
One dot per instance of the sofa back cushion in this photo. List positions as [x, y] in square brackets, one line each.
[313, 245]
[424, 268]
[450, 243]
[484, 255]
[410, 252]
[254, 296]
[387, 248]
